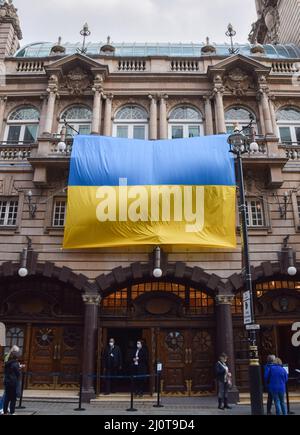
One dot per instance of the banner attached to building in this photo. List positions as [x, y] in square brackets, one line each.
[133, 192]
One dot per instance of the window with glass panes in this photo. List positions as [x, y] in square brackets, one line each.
[255, 213]
[240, 116]
[15, 337]
[195, 301]
[22, 126]
[131, 122]
[8, 212]
[59, 212]
[289, 125]
[185, 122]
[79, 118]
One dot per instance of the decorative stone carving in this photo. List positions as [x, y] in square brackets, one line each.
[91, 299]
[77, 81]
[238, 82]
[224, 299]
[8, 14]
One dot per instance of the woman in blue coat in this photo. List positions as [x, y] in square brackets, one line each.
[276, 378]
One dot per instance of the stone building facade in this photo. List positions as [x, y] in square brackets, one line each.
[62, 313]
[278, 22]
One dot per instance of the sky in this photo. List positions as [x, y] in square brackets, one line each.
[135, 20]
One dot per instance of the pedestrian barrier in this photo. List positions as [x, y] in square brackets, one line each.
[80, 377]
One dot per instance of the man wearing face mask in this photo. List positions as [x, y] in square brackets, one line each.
[112, 363]
[140, 366]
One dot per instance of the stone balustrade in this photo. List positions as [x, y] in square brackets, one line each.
[292, 150]
[285, 67]
[15, 152]
[185, 65]
[24, 66]
[132, 65]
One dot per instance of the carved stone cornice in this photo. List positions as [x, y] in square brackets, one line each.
[224, 299]
[8, 14]
[91, 299]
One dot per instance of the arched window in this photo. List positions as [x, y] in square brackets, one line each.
[131, 122]
[79, 117]
[185, 122]
[289, 125]
[237, 115]
[22, 125]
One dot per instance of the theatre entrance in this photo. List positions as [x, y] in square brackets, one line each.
[177, 324]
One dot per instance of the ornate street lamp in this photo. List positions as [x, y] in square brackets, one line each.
[241, 144]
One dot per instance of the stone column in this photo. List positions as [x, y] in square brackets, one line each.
[163, 122]
[225, 341]
[52, 94]
[261, 117]
[209, 129]
[264, 96]
[91, 302]
[2, 111]
[273, 117]
[108, 116]
[153, 118]
[220, 115]
[97, 106]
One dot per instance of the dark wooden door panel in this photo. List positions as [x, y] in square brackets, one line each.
[202, 360]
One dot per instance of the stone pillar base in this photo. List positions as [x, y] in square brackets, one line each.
[88, 395]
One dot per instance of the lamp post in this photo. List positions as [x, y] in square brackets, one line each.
[239, 145]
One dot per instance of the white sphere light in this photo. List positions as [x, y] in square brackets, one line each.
[62, 147]
[254, 148]
[23, 272]
[292, 271]
[157, 273]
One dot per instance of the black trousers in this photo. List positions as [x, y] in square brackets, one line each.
[270, 403]
[140, 381]
[10, 399]
[110, 383]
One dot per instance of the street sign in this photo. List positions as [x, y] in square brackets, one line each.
[2, 335]
[253, 327]
[247, 308]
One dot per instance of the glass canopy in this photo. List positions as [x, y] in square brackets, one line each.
[43, 49]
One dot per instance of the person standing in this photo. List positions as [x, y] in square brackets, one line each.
[270, 362]
[16, 350]
[223, 380]
[12, 373]
[112, 362]
[140, 366]
[277, 378]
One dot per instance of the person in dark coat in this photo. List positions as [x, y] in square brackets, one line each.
[270, 362]
[140, 366]
[112, 363]
[223, 377]
[12, 373]
[277, 378]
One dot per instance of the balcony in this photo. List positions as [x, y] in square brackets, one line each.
[15, 152]
[291, 149]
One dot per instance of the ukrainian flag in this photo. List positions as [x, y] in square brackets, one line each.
[132, 192]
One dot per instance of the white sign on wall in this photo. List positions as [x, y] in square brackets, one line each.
[296, 336]
[247, 308]
[2, 335]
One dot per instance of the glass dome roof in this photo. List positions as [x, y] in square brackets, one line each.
[43, 49]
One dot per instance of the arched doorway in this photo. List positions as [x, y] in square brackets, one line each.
[44, 317]
[177, 323]
[277, 309]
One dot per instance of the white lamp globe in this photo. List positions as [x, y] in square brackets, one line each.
[62, 147]
[157, 273]
[254, 148]
[23, 272]
[292, 271]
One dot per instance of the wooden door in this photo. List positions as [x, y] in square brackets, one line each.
[174, 354]
[55, 355]
[202, 361]
[149, 336]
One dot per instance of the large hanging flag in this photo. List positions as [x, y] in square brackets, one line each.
[134, 192]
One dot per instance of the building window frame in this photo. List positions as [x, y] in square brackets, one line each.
[296, 209]
[289, 124]
[255, 212]
[14, 202]
[241, 121]
[49, 228]
[59, 213]
[22, 126]
[131, 124]
[81, 124]
[185, 124]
